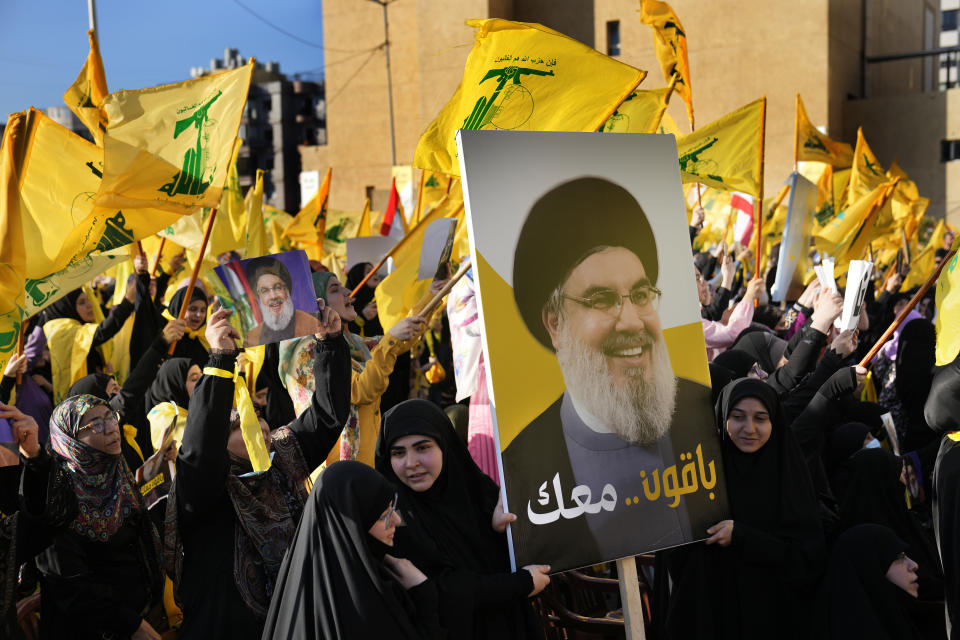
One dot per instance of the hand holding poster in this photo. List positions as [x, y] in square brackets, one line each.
[272, 297]
[591, 328]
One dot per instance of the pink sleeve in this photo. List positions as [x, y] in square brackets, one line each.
[720, 336]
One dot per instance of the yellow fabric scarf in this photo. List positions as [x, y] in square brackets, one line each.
[196, 335]
[249, 424]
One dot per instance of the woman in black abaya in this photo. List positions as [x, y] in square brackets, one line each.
[860, 599]
[337, 581]
[449, 532]
[367, 323]
[753, 577]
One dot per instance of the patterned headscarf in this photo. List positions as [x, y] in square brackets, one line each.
[104, 486]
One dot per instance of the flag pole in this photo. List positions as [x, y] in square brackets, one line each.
[917, 297]
[195, 274]
[19, 352]
[435, 301]
[664, 104]
[759, 208]
[377, 266]
[419, 210]
[156, 261]
[796, 134]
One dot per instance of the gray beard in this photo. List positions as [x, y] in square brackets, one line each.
[278, 322]
[638, 411]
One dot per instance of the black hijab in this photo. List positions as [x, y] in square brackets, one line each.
[915, 360]
[177, 299]
[449, 523]
[366, 292]
[737, 361]
[763, 346]
[331, 584]
[449, 534]
[170, 385]
[872, 493]
[859, 600]
[94, 384]
[65, 307]
[720, 376]
[845, 441]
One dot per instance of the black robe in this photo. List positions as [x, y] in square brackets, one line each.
[448, 533]
[206, 518]
[942, 413]
[857, 600]
[332, 584]
[760, 585]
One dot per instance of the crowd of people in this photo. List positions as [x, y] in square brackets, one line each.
[380, 512]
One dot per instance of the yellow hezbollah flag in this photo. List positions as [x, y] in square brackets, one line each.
[866, 173]
[42, 292]
[12, 250]
[948, 309]
[670, 43]
[276, 221]
[60, 173]
[433, 186]
[88, 91]
[847, 235]
[401, 290]
[525, 76]
[922, 265]
[644, 111]
[256, 232]
[811, 145]
[229, 230]
[169, 147]
[363, 228]
[308, 226]
[726, 153]
[341, 226]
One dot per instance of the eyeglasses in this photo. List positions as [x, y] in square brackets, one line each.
[646, 296]
[392, 509]
[277, 288]
[99, 425]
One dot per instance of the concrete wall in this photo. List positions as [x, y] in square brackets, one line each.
[910, 128]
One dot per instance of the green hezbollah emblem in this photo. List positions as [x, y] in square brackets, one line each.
[115, 234]
[872, 167]
[190, 179]
[691, 163]
[509, 106]
[41, 290]
[8, 339]
[335, 232]
[816, 144]
[432, 182]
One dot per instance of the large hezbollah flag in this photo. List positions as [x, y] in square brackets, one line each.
[525, 76]
[811, 145]
[433, 186]
[846, 236]
[948, 309]
[644, 111]
[169, 147]
[59, 175]
[670, 43]
[727, 153]
[88, 91]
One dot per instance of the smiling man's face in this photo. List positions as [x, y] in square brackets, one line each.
[613, 356]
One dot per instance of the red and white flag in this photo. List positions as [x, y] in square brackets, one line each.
[393, 224]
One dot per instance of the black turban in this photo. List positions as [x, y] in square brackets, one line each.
[562, 228]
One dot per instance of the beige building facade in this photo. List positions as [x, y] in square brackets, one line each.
[738, 50]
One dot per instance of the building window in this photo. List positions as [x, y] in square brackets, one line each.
[613, 37]
[948, 20]
[949, 150]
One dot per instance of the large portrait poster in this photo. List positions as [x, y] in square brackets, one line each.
[598, 374]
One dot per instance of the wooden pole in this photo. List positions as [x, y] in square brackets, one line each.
[664, 104]
[156, 261]
[437, 299]
[19, 352]
[906, 310]
[418, 212]
[759, 208]
[630, 599]
[195, 274]
[377, 266]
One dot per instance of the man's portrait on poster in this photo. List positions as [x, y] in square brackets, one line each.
[620, 446]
